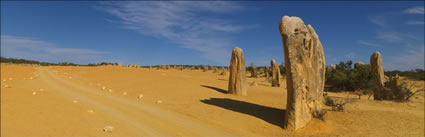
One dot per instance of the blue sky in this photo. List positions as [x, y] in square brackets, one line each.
[199, 32]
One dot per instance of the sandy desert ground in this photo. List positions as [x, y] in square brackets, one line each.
[80, 101]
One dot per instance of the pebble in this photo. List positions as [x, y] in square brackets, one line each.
[140, 96]
[103, 88]
[110, 90]
[124, 93]
[10, 78]
[107, 129]
[74, 101]
[34, 93]
[6, 86]
[90, 111]
[158, 102]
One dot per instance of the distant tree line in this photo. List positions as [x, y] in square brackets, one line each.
[25, 61]
[102, 64]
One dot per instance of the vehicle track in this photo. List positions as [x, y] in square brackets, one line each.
[144, 119]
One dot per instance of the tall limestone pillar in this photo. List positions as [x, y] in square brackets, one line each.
[305, 71]
[237, 78]
[378, 77]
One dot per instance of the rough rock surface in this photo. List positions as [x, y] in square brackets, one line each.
[237, 77]
[275, 73]
[305, 71]
[378, 77]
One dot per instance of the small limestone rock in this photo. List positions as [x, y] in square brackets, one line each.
[158, 102]
[90, 111]
[74, 101]
[124, 93]
[34, 93]
[254, 84]
[41, 89]
[267, 71]
[70, 77]
[140, 96]
[6, 86]
[358, 64]
[107, 129]
[253, 71]
[237, 77]
[103, 88]
[4, 80]
[110, 90]
[10, 78]
[275, 73]
[223, 71]
[330, 68]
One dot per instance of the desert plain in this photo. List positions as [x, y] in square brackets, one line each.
[65, 101]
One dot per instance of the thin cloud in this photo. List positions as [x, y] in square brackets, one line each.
[390, 36]
[380, 20]
[181, 23]
[414, 10]
[411, 59]
[351, 55]
[415, 22]
[27, 48]
[368, 43]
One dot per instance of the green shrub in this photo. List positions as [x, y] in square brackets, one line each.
[346, 78]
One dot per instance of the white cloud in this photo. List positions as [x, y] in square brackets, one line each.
[27, 48]
[414, 10]
[415, 22]
[368, 43]
[181, 22]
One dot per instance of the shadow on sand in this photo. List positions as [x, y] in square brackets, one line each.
[271, 115]
[216, 89]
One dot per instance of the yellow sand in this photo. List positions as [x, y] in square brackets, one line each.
[69, 101]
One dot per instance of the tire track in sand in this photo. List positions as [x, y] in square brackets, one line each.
[149, 121]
